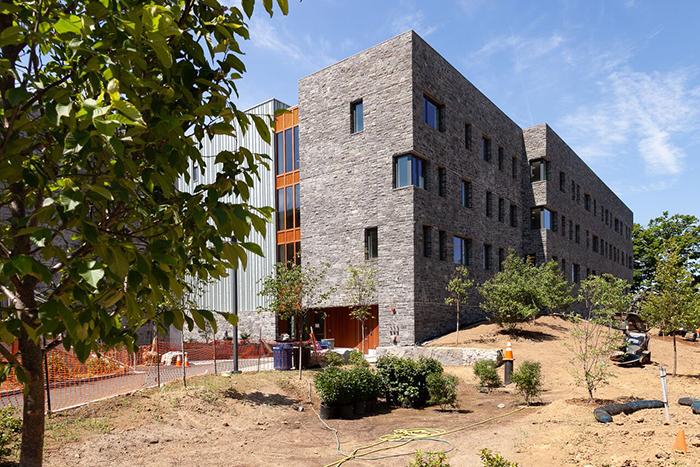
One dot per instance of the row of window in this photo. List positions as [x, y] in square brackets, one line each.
[288, 208]
[289, 253]
[287, 150]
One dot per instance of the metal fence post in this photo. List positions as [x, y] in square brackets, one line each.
[259, 347]
[157, 356]
[184, 361]
[46, 377]
[215, 354]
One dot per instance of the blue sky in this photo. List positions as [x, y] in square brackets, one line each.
[618, 80]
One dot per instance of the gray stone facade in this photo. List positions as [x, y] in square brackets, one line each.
[347, 184]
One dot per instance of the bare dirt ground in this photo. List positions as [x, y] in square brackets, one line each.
[254, 419]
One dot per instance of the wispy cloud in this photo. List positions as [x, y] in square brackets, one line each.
[639, 109]
[305, 50]
[415, 20]
[524, 51]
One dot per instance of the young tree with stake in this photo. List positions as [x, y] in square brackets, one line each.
[102, 106]
[458, 289]
[361, 289]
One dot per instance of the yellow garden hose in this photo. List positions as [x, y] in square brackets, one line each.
[403, 436]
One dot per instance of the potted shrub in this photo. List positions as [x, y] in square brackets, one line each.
[347, 392]
[328, 384]
[361, 378]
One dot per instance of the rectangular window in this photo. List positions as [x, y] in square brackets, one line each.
[296, 147]
[371, 250]
[288, 154]
[587, 201]
[427, 241]
[442, 181]
[578, 193]
[357, 118]
[514, 168]
[539, 170]
[573, 190]
[460, 250]
[281, 253]
[571, 229]
[595, 244]
[289, 208]
[290, 253]
[513, 215]
[563, 265]
[563, 226]
[562, 182]
[297, 206]
[588, 239]
[468, 136]
[595, 207]
[578, 234]
[432, 113]
[279, 152]
[486, 149]
[501, 258]
[442, 245]
[543, 218]
[501, 210]
[489, 204]
[487, 256]
[465, 194]
[409, 170]
[195, 173]
[280, 209]
[575, 273]
[501, 156]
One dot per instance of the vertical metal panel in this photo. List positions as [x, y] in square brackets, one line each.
[220, 295]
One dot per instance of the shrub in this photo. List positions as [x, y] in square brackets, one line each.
[429, 459]
[328, 385]
[442, 389]
[331, 358]
[10, 428]
[486, 371]
[493, 459]
[528, 380]
[404, 380]
[356, 358]
[365, 382]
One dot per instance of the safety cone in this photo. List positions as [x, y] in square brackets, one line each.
[178, 361]
[187, 362]
[680, 445]
[508, 364]
[508, 354]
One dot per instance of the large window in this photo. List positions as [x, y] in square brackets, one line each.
[296, 147]
[279, 152]
[357, 119]
[486, 149]
[432, 113]
[409, 170]
[427, 241]
[543, 218]
[371, 250]
[465, 194]
[539, 170]
[288, 150]
[460, 250]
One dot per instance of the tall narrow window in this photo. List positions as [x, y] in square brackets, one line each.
[486, 149]
[501, 156]
[468, 135]
[573, 190]
[279, 152]
[587, 201]
[501, 210]
[296, 147]
[513, 215]
[432, 113]
[465, 194]
[563, 226]
[289, 208]
[288, 155]
[595, 207]
[562, 182]
[539, 170]
[297, 206]
[514, 168]
[195, 173]
[357, 118]
[442, 181]
[427, 241]
[371, 250]
[578, 234]
[571, 229]
[575, 273]
[442, 245]
[489, 204]
[588, 239]
[487, 256]
[460, 250]
[280, 209]
[409, 170]
[578, 193]
[501, 258]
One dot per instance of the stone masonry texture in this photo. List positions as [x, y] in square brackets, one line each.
[347, 185]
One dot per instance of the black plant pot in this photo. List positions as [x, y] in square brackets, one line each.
[346, 411]
[371, 405]
[360, 408]
[327, 412]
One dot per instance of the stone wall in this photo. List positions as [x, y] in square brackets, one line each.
[449, 356]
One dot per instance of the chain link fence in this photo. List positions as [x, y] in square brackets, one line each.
[71, 383]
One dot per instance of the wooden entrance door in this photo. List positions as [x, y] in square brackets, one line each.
[347, 332]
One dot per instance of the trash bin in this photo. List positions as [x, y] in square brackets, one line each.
[282, 356]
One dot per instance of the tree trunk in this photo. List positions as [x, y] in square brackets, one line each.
[33, 410]
[457, 322]
[300, 330]
[675, 355]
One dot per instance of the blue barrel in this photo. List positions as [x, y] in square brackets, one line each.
[282, 356]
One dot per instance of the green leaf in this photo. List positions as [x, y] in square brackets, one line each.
[160, 47]
[253, 247]
[71, 24]
[93, 276]
[263, 128]
[248, 7]
[284, 6]
[11, 35]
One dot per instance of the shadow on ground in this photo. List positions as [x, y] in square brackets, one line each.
[259, 398]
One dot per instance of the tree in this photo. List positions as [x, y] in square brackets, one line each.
[102, 105]
[521, 291]
[293, 292]
[361, 289]
[672, 303]
[594, 339]
[650, 243]
[458, 289]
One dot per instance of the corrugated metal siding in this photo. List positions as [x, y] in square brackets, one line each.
[220, 294]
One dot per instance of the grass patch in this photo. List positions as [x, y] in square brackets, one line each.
[67, 429]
